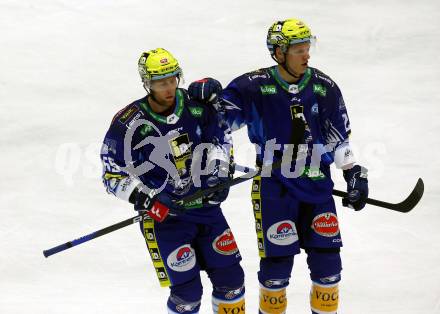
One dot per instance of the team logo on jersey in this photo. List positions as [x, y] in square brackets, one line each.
[181, 150]
[326, 225]
[182, 259]
[297, 112]
[225, 243]
[282, 233]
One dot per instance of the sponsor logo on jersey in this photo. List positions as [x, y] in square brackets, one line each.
[182, 258]
[282, 233]
[319, 89]
[326, 225]
[128, 114]
[325, 79]
[225, 243]
[260, 73]
[268, 89]
[196, 111]
[198, 203]
[133, 120]
[313, 173]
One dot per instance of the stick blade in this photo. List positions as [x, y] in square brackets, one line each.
[412, 200]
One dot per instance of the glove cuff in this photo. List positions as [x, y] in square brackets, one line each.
[355, 171]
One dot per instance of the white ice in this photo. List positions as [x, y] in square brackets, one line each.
[66, 67]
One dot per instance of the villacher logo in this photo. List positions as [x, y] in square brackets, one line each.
[326, 224]
[225, 243]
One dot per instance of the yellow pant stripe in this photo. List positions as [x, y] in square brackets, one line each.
[153, 248]
[256, 204]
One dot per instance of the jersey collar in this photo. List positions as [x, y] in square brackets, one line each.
[172, 118]
[292, 88]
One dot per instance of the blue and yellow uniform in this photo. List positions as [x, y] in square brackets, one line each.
[138, 149]
[293, 208]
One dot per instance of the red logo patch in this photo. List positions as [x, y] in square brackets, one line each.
[326, 224]
[163, 60]
[225, 243]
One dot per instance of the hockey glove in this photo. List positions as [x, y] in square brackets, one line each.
[205, 90]
[158, 206]
[357, 187]
[221, 173]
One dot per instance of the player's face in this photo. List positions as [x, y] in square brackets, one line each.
[297, 57]
[164, 91]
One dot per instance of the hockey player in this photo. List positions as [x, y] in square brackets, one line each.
[148, 156]
[297, 104]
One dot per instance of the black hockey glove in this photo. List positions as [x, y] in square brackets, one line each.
[205, 90]
[158, 206]
[357, 187]
[222, 173]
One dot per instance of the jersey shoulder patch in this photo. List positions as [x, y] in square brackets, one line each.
[262, 73]
[128, 113]
[250, 82]
[322, 78]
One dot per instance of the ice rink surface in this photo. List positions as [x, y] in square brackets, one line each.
[66, 67]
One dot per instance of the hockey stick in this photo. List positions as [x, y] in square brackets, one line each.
[94, 235]
[405, 206]
[141, 217]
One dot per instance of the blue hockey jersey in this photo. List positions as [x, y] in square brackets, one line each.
[158, 151]
[266, 104]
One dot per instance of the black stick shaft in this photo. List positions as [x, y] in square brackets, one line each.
[93, 235]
